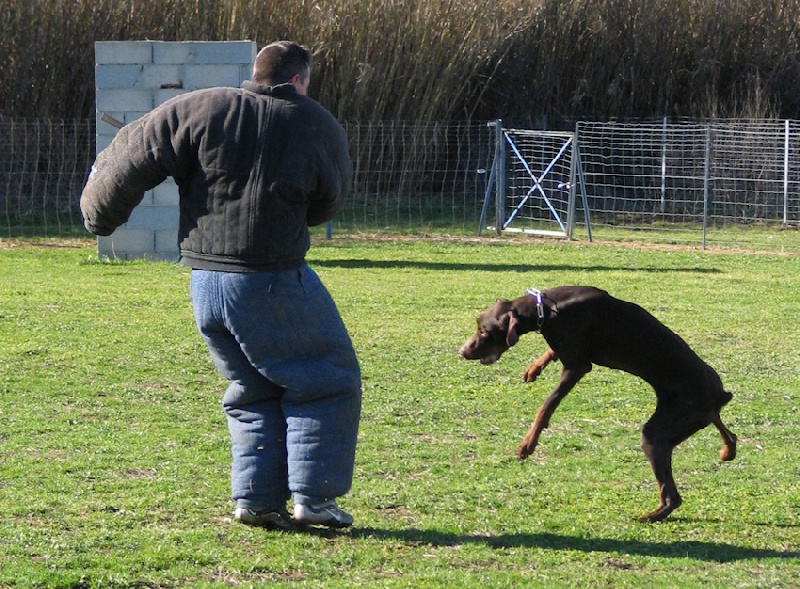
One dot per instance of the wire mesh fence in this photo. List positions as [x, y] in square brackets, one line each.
[43, 166]
[734, 183]
[725, 183]
[417, 178]
[728, 182]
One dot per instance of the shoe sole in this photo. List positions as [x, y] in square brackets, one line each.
[277, 522]
[330, 522]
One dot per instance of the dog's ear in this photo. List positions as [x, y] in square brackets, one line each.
[512, 337]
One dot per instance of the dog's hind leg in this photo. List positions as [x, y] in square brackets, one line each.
[661, 434]
[728, 438]
[569, 378]
[659, 454]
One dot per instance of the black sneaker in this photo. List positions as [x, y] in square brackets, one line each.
[325, 514]
[272, 519]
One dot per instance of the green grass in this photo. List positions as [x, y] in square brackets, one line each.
[114, 453]
[757, 237]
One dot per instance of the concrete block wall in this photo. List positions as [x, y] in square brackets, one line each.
[131, 79]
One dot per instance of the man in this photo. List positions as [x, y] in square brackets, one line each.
[255, 167]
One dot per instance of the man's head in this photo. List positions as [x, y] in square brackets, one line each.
[283, 62]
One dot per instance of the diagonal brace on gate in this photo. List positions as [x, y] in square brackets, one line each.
[537, 186]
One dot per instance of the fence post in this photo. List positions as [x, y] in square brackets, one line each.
[786, 172]
[664, 166]
[706, 182]
[579, 180]
[489, 186]
[500, 176]
[572, 187]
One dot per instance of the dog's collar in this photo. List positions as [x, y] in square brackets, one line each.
[537, 294]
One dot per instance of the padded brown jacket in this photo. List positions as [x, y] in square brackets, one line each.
[255, 166]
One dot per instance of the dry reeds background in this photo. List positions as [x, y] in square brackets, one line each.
[530, 62]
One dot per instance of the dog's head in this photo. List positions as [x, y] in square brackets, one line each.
[497, 332]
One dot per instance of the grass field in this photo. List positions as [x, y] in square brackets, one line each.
[114, 453]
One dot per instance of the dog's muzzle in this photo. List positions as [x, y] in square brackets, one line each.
[465, 353]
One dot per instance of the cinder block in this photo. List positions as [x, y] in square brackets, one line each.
[127, 76]
[102, 141]
[105, 244]
[153, 217]
[161, 76]
[131, 116]
[116, 76]
[161, 96]
[224, 52]
[124, 100]
[166, 194]
[126, 242]
[168, 52]
[167, 243]
[107, 129]
[138, 52]
[208, 76]
[161, 256]
[245, 72]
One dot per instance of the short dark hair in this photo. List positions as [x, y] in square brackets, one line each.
[279, 62]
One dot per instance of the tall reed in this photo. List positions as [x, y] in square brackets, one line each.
[533, 62]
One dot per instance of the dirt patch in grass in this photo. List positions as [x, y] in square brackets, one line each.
[74, 242]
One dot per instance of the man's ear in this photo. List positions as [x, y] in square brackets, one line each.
[512, 337]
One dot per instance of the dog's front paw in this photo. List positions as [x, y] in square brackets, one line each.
[525, 450]
[532, 372]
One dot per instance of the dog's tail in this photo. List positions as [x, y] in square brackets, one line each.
[724, 398]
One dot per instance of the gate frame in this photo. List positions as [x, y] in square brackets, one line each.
[498, 180]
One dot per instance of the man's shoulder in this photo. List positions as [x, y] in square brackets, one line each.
[200, 98]
[312, 109]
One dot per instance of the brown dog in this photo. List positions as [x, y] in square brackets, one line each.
[584, 326]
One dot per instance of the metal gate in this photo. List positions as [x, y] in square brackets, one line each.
[533, 181]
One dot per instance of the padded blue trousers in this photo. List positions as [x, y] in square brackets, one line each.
[294, 399]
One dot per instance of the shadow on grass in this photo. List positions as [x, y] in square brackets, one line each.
[395, 264]
[706, 551]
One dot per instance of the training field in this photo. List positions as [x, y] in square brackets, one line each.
[114, 451]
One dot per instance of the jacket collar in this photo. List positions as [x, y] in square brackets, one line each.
[279, 90]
